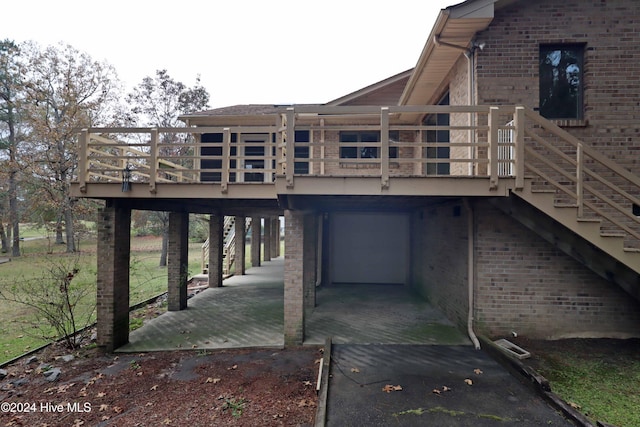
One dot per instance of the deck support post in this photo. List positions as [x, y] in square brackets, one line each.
[178, 261]
[256, 240]
[267, 239]
[293, 278]
[275, 237]
[239, 259]
[114, 248]
[310, 258]
[216, 239]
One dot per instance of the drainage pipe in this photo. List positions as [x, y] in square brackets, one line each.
[470, 272]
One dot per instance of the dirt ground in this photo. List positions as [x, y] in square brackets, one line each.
[266, 387]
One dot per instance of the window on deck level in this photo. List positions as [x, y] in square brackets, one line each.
[561, 81]
[360, 150]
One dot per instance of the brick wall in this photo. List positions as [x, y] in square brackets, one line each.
[439, 258]
[525, 284]
[507, 68]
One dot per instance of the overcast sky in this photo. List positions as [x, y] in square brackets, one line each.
[251, 51]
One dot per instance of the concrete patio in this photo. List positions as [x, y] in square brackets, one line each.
[248, 311]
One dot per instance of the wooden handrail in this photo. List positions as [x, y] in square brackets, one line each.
[583, 187]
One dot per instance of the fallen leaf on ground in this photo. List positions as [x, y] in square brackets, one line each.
[478, 371]
[355, 370]
[574, 405]
[445, 388]
[103, 407]
[435, 391]
[308, 383]
[212, 380]
[389, 388]
[154, 388]
[468, 381]
[101, 394]
[232, 368]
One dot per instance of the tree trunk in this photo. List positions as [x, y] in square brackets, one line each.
[165, 245]
[14, 215]
[68, 220]
[59, 239]
[3, 239]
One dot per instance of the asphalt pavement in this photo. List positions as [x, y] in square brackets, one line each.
[429, 385]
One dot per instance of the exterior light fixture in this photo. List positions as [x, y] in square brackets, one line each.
[126, 179]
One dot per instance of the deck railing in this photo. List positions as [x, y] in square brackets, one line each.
[313, 141]
[483, 142]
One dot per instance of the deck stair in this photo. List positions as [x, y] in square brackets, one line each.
[228, 247]
[589, 229]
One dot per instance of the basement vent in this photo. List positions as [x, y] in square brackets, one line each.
[636, 209]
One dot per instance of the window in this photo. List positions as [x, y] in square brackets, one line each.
[438, 136]
[561, 81]
[360, 150]
[301, 152]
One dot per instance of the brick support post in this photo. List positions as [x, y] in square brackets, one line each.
[310, 247]
[239, 259]
[114, 241]
[267, 239]
[256, 241]
[293, 278]
[216, 240]
[275, 237]
[178, 260]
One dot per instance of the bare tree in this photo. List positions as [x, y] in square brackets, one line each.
[158, 102]
[64, 90]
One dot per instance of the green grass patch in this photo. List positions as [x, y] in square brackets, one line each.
[17, 334]
[604, 388]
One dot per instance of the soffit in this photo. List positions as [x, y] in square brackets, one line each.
[456, 25]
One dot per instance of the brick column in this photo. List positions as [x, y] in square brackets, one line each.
[112, 303]
[216, 239]
[178, 260]
[239, 259]
[275, 237]
[310, 247]
[256, 239]
[267, 239]
[293, 278]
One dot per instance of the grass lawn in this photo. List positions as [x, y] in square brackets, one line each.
[600, 377]
[17, 334]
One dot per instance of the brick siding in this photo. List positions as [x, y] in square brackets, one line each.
[525, 284]
[507, 68]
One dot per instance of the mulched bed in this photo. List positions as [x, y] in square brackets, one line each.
[265, 387]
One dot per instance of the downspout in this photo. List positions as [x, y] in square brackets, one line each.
[471, 272]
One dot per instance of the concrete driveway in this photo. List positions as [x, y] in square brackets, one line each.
[441, 385]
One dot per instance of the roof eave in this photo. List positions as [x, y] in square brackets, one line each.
[456, 25]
